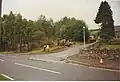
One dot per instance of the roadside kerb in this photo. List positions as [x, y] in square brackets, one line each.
[90, 65]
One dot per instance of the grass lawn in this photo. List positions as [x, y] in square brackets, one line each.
[2, 78]
[110, 45]
[6, 52]
[54, 49]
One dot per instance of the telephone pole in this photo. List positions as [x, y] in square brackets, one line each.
[0, 7]
[84, 35]
[1, 29]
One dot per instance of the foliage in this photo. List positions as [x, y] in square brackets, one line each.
[23, 35]
[105, 18]
[71, 28]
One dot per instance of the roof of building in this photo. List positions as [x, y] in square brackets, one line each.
[117, 28]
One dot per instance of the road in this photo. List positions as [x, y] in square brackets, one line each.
[52, 69]
[22, 69]
[60, 55]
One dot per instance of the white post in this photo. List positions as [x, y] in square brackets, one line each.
[101, 60]
[60, 32]
[84, 35]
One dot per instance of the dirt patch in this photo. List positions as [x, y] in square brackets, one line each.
[95, 61]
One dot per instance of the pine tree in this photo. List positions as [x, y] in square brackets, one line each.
[105, 18]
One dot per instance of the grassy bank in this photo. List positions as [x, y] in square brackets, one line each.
[83, 60]
[2, 78]
[53, 49]
[111, 46]
[6, 52]
[110, 56]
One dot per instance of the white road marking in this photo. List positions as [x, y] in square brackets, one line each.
[46, 60]
[1, 60]
[78, 64]
[37, 68]
[73, 64]
[104, 69]
[96, 67]
[7, 77]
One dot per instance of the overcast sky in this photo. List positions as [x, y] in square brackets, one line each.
[56, 9]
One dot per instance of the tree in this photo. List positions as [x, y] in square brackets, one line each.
[8, 25]
[104, 17]
[19, 32]
[71, 28]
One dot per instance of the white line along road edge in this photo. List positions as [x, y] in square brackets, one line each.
[38, 68]
[104, 69]
[96, 67]
[7, 77]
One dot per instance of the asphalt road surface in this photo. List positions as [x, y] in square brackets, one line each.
[59, 55]
[22, 69]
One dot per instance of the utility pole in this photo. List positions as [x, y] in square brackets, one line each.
[84, 35]
[1, 29]
[0, 7]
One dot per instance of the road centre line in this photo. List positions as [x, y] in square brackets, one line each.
[7, 77]
[29, 66]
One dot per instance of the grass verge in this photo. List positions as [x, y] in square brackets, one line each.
[111, 46]
[6, 52]
[2, 78]
[54, 49]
